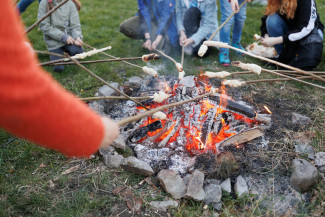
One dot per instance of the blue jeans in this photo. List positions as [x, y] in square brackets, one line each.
[23, 4]
[238, 20]
[71, 49]
[276, 27]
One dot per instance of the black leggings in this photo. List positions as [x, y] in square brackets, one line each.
[71, 49]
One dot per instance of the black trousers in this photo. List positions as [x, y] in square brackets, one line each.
[71, 49]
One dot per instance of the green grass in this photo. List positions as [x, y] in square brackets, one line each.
[26, 189]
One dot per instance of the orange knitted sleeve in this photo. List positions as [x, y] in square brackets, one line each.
[33, 105]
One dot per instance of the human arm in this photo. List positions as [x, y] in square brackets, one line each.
[180, 9]
[145, 13]
[235, 6]
[34, 106]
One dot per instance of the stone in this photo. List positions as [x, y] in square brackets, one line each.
[322, 169]
[241, 186]
[226, 185]
[211, 181]
[306, 149]
[163, 205]
[107, 91]
[226, 165]
[113, 160]
[320, 159]
[187, 178]
[304, 175]
[136, 81]
[107, 151]
[120, 142]
[133, 165]
[187, 81]
[213, 194]
[172, 182]
[195, 186]
[97, 107]
[217, 206]
[299, 119]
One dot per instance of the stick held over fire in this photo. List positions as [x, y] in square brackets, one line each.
[148, 57]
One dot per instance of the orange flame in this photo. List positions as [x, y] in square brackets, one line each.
[267, 109]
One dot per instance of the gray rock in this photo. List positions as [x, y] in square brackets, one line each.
[306, 149]
[280, 204]
[136, 81]
[217, 206]
[211, 181]
[119, 142]
[107, 151]
[213, 194]
[133, 165]
[304, 175]
[226, 185]
[195, 186]
[299, 119]
[187, 178]
[163, 205]
[113, 160]
[241, 186]
[187, 81]
[320, 159]
[172, 182]
[97, 107]
[107, 91]
[322, 169]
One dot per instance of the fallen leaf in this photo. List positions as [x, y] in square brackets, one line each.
[71, 170]
[42, 165]
[52, 184]
[132, 202]
[118, 189]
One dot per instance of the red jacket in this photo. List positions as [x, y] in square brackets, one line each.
[33, 105]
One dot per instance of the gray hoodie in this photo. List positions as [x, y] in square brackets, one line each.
[60, 24]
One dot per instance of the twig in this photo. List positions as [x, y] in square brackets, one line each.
[182, 57]
[278, 63]
[160, 108]
[102, 80]
[277, 79]
[106, 54]
[295, 72]
[49, 53]
[45, 16]
[224, 23]
[113, 97]
[61, 61]
[165, 55]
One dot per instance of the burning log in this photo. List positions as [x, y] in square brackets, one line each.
[143, 131]
[242, 137]
[207, 126]
[171, 134]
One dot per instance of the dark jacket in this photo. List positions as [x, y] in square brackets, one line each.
[163, 12]
[302, 44]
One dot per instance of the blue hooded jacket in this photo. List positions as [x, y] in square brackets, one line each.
[164, 12]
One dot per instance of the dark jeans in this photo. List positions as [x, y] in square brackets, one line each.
[192, 20]
[71, 49]
[23, 5]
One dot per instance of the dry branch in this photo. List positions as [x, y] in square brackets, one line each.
[102, 80]
[114, 97]
[160, 108]
[45, 16]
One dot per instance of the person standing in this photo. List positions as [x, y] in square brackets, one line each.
[227, 7]
[155, 23]
[61, 30]
[196, 21]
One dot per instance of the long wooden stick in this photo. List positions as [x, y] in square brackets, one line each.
[113, 97]
[165, 55]
[224, 23]
[160, 108]
[49, 53]
[61, 61]
[294, 72]
[106, 54]
[45, 16]
[278, 79]
[278, 63]
[102, 80]
[182, 56]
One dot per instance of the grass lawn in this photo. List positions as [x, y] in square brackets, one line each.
[31, 180]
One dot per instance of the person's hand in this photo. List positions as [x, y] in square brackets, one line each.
[70, 40]
[147, 44]
[111, 132]
[156, 42]
[78, 42]
[271, 41]
[188, 42]
[182, 38]
[234, 6]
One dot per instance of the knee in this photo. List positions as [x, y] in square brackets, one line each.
[272, 21]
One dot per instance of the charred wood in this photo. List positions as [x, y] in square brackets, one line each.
[143, 131]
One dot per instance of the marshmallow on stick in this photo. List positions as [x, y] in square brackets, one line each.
[179, 67]
[181, 75]
[203, 49]
[257, 37]
[222, 74]
[160, 115]
[261, 50]
[161, 96]
[248, 66]
[148, 57]
[216, 44]
[89, 53]
[150, 71]
[233, 83]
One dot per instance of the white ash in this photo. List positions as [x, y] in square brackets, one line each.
[181, 163]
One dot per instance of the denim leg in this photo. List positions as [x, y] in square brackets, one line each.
[240, 18]
[58, 51]
[226, 11]
[276, 27]
[73, 49]
[23, 4]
